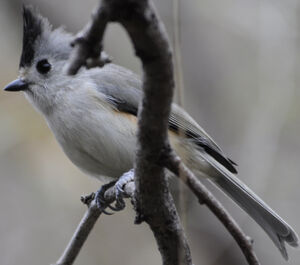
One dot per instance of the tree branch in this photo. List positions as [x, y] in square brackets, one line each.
[154, 203]
[87, 49]
[87, 223]
[175, 165]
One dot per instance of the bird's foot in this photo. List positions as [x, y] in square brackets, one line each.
[100, 200]
[119, 191]
[120, 194]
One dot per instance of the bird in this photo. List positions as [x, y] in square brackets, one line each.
[93, 116]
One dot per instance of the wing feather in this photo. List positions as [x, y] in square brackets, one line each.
[125, 94]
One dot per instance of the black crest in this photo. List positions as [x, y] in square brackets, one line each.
[32, 29]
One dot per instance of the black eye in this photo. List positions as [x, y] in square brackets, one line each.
[43, 66]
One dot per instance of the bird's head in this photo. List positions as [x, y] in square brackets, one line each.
[44, 55]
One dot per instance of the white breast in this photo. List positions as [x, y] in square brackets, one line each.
[96, 138]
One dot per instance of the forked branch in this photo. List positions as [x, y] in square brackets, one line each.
[154, 203]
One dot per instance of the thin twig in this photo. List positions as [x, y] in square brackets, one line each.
[88, 44]
[80, 235]
[87, 223]
[175, 165]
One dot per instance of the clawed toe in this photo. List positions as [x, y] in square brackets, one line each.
[120, 194]
[100, 200]
[119, 191]
[120, 203]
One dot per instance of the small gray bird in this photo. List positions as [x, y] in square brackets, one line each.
[93, 116]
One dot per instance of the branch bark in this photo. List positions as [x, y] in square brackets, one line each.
[87, 223]
[154, 203]
[174, 164]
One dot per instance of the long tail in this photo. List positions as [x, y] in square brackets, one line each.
[276, 228]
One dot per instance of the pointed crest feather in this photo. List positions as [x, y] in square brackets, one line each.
[40, 39]
[32, 29]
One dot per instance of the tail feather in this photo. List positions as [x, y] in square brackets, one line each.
[276, 228]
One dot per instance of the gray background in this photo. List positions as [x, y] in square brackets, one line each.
[241, 73]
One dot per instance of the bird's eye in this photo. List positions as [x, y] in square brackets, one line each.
[43, 66]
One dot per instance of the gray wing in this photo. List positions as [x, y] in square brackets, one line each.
[124, 92]
[121, 86]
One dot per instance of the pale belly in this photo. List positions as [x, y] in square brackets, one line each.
[103, 144]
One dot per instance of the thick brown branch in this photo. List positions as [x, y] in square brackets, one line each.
[154, 203]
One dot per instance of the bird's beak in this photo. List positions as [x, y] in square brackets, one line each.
[17, 85]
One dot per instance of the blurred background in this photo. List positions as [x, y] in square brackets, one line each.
[240, 66]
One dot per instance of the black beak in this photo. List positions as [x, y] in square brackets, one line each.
[17, 85]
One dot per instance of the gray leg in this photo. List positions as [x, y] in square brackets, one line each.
[100, 200]
[123, 180]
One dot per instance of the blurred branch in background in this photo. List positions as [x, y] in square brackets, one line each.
[179, 95]
[178, 71]
[276, 88]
